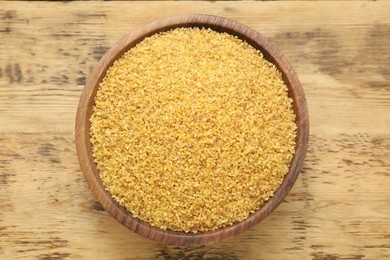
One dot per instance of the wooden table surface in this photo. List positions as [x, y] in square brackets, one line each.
[340, 205]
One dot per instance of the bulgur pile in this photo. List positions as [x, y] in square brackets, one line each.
[192, 130]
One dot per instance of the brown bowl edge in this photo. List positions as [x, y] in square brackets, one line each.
[86, 102]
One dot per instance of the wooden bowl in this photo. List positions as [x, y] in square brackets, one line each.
[86, 103]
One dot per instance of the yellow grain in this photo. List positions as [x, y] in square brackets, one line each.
[192, 130]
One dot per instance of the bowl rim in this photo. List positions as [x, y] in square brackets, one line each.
[86, 102]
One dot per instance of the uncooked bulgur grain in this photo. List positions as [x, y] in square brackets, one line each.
[192, 130]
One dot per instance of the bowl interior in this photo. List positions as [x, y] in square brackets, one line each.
[86, 103]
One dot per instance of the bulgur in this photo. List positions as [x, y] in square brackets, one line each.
[192, 130]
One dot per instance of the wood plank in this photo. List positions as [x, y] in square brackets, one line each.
[339, 207]
[333, 51]
[334, 207]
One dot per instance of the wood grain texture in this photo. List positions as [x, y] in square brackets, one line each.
[87, 101]
[339, 206]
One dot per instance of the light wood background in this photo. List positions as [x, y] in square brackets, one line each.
[340, 205]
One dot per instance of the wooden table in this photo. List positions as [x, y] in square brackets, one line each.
[340, 205]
